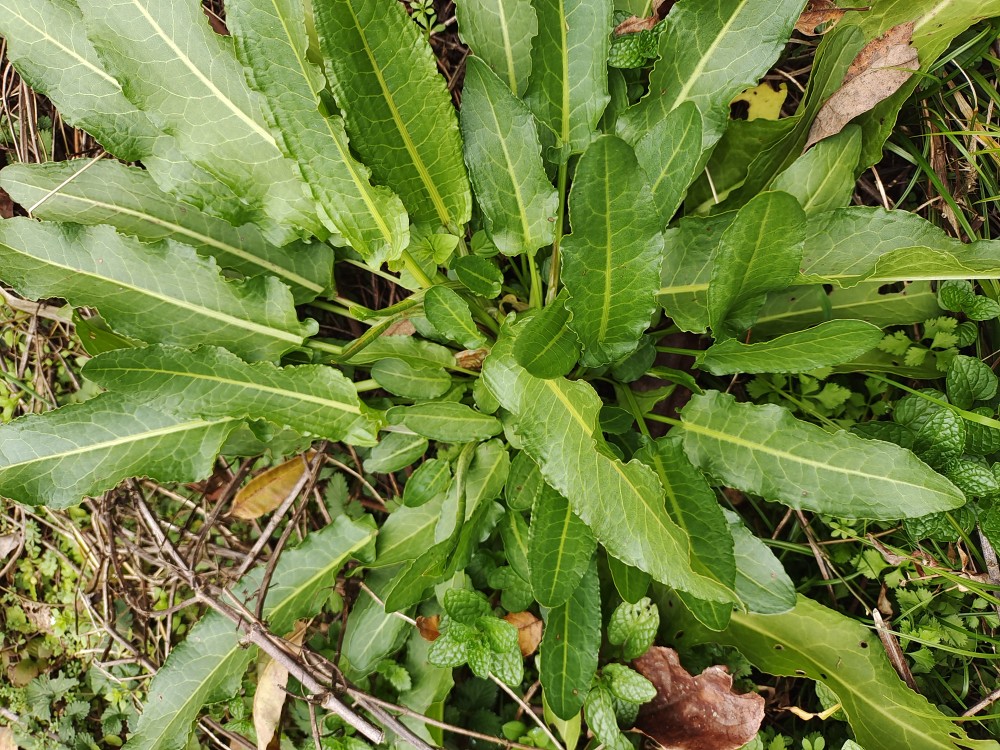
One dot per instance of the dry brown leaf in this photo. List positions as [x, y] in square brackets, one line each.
[402, 327]
[270, 696]
[267, 490]
[820, 12]
[8, 543]
[635, 24]
[695, 713]
[428, 627]
[7, 739]
[471, 359]
[879, 70]
[529, 631]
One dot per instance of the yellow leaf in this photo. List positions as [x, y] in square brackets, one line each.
[763, 101]
[267, 490]
[270, 696]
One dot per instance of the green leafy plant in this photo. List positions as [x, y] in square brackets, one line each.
[543, 243]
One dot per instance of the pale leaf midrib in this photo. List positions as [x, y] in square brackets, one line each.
[72, 53]
[521, 209]
[695, 74]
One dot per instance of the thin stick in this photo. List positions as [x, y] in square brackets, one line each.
[64, 183]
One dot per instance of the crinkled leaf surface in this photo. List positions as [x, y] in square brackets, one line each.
[177, 298]
[128, 199]
[58, 458]
[767, 451]
[209, 665]
[272, 43]
[211, 382]
[505, 163]
[621, 502]
[398, 112]
[501, 33]
[611, 261]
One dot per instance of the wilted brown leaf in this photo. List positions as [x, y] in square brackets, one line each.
[529, 630]
[270, 696]
[879, 70]
[636, 23]
[428, 627]
[267, 490]
[694, 713]
[820, 12]
[402, 327]
[471, 359]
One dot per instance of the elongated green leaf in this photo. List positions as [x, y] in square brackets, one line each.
[761, 581]
[213, 383]
[821, 644]
[487, 473]
[128, 199]
[209, 665]
[505, 163]
[976, 261]
[57, 458]
[500, 32]
[446, 421]
[395, 451]
[825, 345]
[450, 316]
[371, 633]
[568, 90]
[479, 275]
[407, 533]
[272, 43]
[178, 298]
[611, 261]
[185, 77]
[547, 347]
[398, 112]
[569, 647]
[621, 502]
[709, 52]
[406, 380]
[759, 253]
[630, 583]
[560, 548]
[670, 154]
[822, 179]
[765, 450]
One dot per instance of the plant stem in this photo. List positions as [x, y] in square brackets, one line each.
[679, 350]
[323, 346]
[535, 295]
[554, 263]
[416, 271]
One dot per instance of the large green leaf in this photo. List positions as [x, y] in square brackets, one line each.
[57, 458]
[822, 179]
[398, 112]
[611, 261]
[823, 645]
[825, 345]
[505, 163]
[568, 90]
[159, 293]
[761, 581]
[273, 45]
[500, 32]
[213, 383]
[670, 154]
[709, 52]
[767, 451]
[621, 502]
[209, 665]
[568, 653]
[445, 421]
[186, 78]
[128, 199]
[560, 548]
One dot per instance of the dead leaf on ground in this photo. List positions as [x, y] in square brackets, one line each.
[822, 12]
[879, 70]
[428, 627]
[268, 490]
[694, 713]
[529, 630]
[270, 696]
[8, 543]
[7, 739]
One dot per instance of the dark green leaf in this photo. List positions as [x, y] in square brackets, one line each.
[548, 347]
[450, 316]
[560, 547]
[445, 421]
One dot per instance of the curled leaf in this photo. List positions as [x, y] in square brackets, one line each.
[691, 713]
[529, 630]
[428, 627]
[267, 490]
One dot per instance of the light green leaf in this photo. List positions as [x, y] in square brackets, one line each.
[633, 627]
[410, 381]
[186, 78]
[560, 547]
[611, 261]
[759, 252]
[178, 298]
[479, 275]
[394, 452]
[446, 421]
[407, 533]
[568, 652]
[450, 316]
[822, 179]
[415, 352]
[273, 45]
[57, 458]
[766, 451]
[398, 111]
[515, 533]
[371, 633]
[709, 52]
[213, 383]
[505, 164]
[761, 580]
[630, 583]
[821, 644]
[487, 474]
[556, 420]
[568, 90]
[209, 665]
[431, 480]
[670, 154]
[500, 32]
[827, 344]
[128, 199]
[969, 380]
[547, 347]
[628, 685]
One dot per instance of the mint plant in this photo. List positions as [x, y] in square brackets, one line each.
[544, 240]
